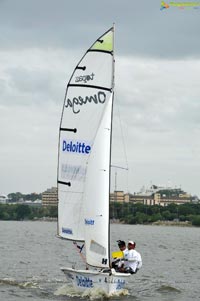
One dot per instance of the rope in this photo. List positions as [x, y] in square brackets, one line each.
[79, 249]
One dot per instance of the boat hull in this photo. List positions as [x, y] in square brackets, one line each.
[109, 282]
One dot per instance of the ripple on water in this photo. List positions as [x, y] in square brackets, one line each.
[13, 282]
[166, 289]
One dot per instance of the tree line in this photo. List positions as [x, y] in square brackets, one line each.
[136, 213]
[128, 213]
[17, 196]
[26, 212]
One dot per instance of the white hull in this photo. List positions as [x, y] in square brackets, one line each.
[110, 283]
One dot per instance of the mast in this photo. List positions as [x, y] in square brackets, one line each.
[113, 84]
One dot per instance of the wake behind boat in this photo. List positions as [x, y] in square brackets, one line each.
[84, 164]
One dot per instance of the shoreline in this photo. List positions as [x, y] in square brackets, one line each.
[159, 223]
[173, 223]
[117, 222]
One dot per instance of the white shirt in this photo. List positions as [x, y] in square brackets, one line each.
[125, 252]
[134, 260]
[121, 262]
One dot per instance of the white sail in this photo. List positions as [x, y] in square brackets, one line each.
[84, 152]
[97, 195]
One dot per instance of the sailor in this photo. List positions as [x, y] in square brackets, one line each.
[118, 262]
[132, 260]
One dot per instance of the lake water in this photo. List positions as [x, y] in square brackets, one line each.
[31, 257]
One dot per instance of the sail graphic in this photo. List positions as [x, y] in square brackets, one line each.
[84, 152]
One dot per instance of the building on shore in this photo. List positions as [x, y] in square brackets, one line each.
[3, 199]
[117, 196]
[50, 197]
[156, 195]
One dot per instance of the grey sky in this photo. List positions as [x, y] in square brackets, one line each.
[157, 88]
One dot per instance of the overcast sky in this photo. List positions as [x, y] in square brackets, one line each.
[157, 89]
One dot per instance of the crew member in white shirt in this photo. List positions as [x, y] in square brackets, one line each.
[132, 259]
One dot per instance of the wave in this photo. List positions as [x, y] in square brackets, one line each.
[91, 294]
[13, 282]
[168, 289]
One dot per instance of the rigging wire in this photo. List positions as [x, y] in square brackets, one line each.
[126, 167]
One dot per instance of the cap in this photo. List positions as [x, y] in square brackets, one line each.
[121, 243]
[131, 242]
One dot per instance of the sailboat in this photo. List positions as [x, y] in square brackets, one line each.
[84, 167]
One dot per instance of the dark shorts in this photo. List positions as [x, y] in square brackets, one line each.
[129, 270]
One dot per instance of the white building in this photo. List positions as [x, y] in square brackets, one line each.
[3, 199]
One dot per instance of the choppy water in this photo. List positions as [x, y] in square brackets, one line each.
[31, 257]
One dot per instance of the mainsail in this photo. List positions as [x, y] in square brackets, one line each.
[84, 152]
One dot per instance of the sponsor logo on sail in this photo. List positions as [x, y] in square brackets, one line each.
[89, 222]
[67, 231]
[84, 78]
[68, 171]
[76, 102]
[76, 147]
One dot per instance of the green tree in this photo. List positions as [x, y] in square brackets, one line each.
[155, 217]
[166, 215]
[196, 220]
[22, 212]
[141, 218]
[182, 218]
[15, 196]
[130, 219]
[172, 208]
[53, 211]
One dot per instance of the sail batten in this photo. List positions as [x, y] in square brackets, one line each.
[84, 152]
[68, 130]
[99, 50]
[90, 86]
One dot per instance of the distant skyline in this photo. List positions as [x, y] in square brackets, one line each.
[143, 189]
[157, 89]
